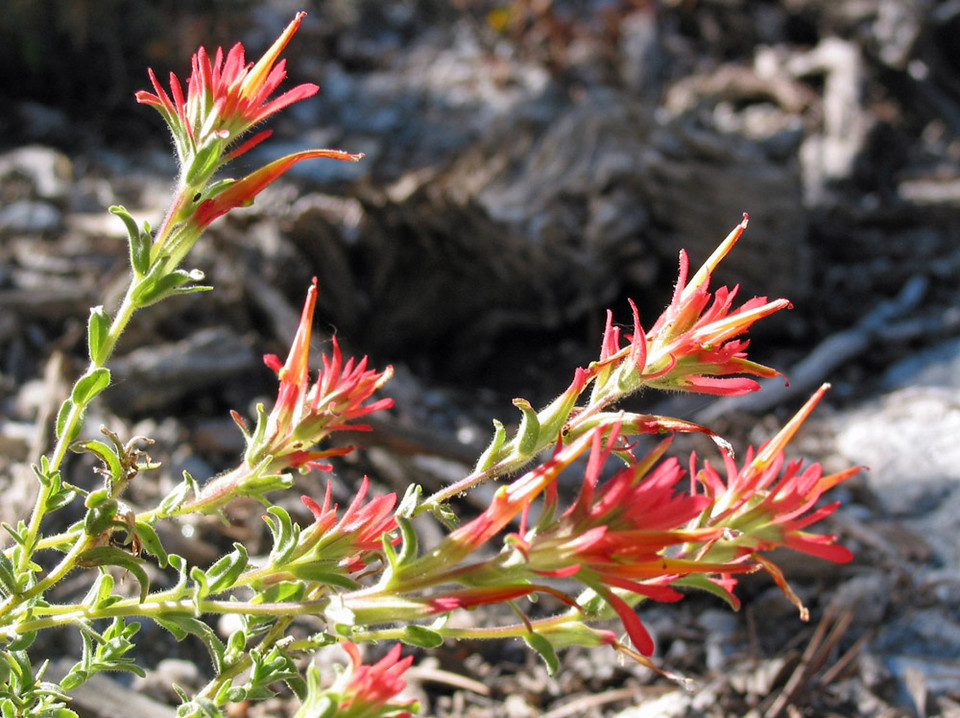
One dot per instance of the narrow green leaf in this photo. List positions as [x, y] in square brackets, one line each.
[110, 556]
[183, 625]
[98, 332]
[138, 240]
[285, 535]
[65, 408]
[489, 456]
[410, 501]
[543, 646]
[421, 636]
[8, 576]
[151, 543]
[106, 453]
[225, 572]
[319, 573]
[89, 385]
[528, 433]
[410, 543]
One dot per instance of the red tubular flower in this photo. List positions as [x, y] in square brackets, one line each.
[371, 690]
[769, 502]
[242, 192]
[616, 536]
[359, 532]
[226, 96]
[693, 345]
[303, 414]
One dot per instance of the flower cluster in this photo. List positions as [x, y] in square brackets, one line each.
[303, 415]
[694, 345]
[225, 98]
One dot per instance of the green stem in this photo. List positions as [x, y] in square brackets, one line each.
[74, 417]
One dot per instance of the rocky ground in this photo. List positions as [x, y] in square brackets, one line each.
[530, 164]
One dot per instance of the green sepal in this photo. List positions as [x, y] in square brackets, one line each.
[98, 332]
[225, 572]
[546, 650]
[110, 556]
[528, 433]
[89, 385]
[421, 636]
[490, 455]
[204, 163]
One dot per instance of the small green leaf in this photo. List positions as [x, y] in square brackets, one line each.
[178, 495]
[285, 591]
[151, 543]
[98, 333]
[528, 433]
[421, 636]
[490, 455]
[156, 286]
[106, 453]
[410, 544]
[101, 514]
[320, 573]
[22, 642]
[62, 415]
[225, 572]
[8, 576]
[139, 241]
[89, 385]
[543, 646]
[284, 532]
[110, 556]
[410, 501]
[183, 625]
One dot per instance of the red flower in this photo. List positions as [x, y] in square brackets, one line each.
[617, 536]
[769, 502]
[241, 193]
[303, 414]
[693, 345]
[359, 532]
[226, 96]
[371, 689]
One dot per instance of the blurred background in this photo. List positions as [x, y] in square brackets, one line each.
[530, 164]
